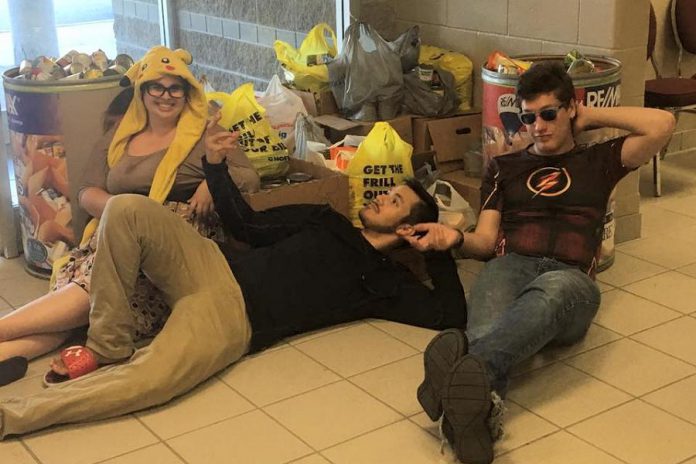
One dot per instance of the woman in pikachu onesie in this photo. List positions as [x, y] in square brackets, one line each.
[155, 150]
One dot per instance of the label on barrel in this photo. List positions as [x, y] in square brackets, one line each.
[38, 155]
[503, 132]
[32, 113]
[602, 96]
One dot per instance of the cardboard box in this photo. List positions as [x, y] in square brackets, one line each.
[449, 137]
[629, 184]
[337, 127]
[627, 205]
[327, 187]
[318, 103]
[627, 228]
[468, 187]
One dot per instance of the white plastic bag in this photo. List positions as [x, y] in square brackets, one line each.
[455, 211]
[282, 107]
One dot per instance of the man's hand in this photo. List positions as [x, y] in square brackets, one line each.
[431, 236]
[219, 143]
[580, 122]
[202, 201]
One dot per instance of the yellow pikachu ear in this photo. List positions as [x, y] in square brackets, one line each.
[132, 74]
[184, 55]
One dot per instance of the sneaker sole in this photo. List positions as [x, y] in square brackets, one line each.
[466, 400]
[440, 356]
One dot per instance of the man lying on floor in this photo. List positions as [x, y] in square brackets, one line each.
[308, 268]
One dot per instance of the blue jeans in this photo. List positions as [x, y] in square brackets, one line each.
[519, 304]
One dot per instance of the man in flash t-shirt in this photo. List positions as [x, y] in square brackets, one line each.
[542, 212]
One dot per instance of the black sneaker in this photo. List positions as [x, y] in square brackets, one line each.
[466, 401]
[440, 356]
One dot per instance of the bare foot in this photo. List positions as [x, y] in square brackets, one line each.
[58, 366]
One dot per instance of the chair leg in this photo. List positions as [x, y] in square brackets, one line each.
[657, 176]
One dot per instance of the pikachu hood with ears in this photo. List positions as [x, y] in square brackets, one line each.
[157, 62]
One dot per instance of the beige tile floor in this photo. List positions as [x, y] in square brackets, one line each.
[626, 394]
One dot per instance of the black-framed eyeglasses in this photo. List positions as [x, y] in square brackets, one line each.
[157, 90]
[547, 114]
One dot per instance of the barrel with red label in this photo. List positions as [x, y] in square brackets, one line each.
[503, 132]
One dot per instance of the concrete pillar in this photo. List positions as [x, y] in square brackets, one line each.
[33, 27]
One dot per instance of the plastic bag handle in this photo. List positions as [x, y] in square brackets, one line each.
[321, 29]
[217, 96]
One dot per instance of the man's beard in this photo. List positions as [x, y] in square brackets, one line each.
[375, 227]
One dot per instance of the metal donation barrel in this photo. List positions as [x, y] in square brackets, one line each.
[54, 126]
[503, 132]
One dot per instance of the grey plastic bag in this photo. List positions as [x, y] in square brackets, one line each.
[420, 98]
[407, 46]
[306, 130]
[368, 71]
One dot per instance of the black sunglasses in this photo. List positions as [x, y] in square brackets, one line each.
[547, 114]
[158, 90]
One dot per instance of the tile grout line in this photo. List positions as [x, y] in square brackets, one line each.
[686, 461]
[596, 446]
[318, 333]
[621, 389]
[621, 286]
[135, 450]
[640, 342]
[643, 400]
[341, 379]
[161, 439]
[395, 338]
[30, 451]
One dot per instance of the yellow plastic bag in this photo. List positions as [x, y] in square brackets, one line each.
[459, 65]
[383, 161]
[261, 143]
[305, 67]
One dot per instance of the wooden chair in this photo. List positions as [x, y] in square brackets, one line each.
[674, 94]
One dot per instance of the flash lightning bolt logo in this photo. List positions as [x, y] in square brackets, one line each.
[549, 182]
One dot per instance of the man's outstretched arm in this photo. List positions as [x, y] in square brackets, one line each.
[479, 244]
[649, 129]
[257, 228]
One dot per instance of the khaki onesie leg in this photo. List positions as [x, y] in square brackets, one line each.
[207, 330]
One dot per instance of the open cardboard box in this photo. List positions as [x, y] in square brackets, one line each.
[318, 103]
[448, 137]
[337, 127]
[326, 187]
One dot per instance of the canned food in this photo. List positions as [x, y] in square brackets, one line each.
[297, 177]
[84, 59]
[74, 77]
[313, 60]
[425, 73]
[93, 73]
[42, 76]
[25, 67]
[66, 59]
[100, 60]
[114, 70]
[124, 61]
[43, 64]
[504, 68]
[75, 68]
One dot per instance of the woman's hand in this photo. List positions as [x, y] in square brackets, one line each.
[219, 143]
[202, 201]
